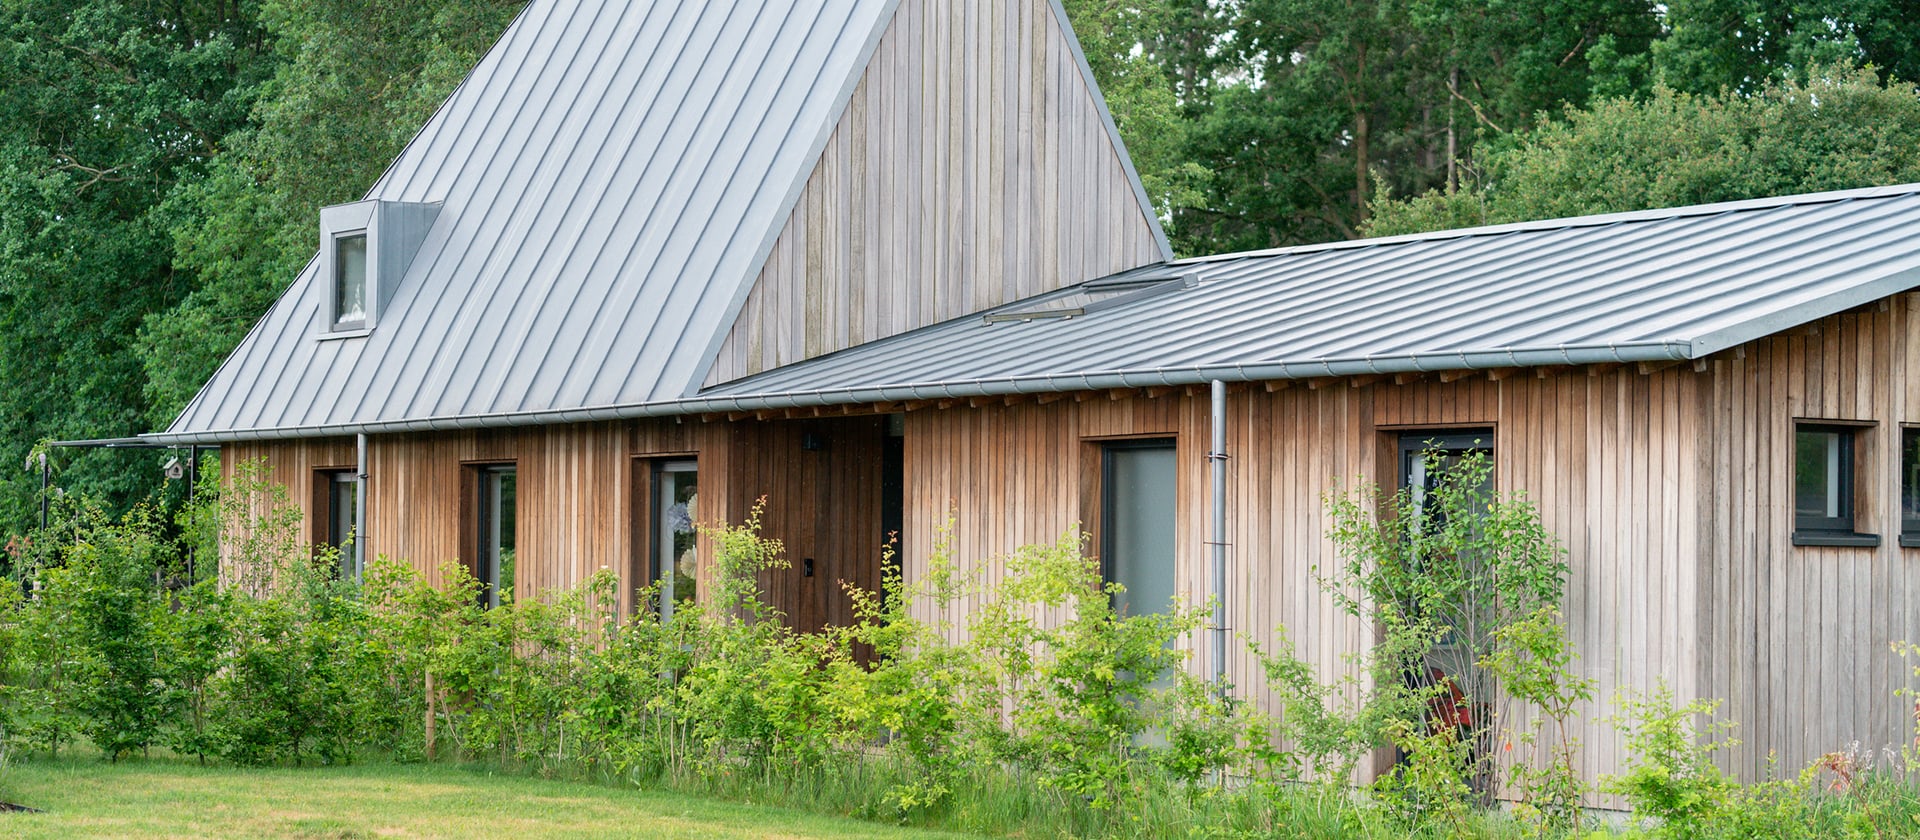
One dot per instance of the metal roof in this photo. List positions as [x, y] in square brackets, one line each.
[1668, 284]
[611, 177]
[611, 174]
[1658, 285]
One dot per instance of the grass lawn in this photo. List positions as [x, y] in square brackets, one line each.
[86, 797]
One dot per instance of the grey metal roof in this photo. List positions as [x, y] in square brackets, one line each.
[1668, 284]
[1658, 285]
[612, 175]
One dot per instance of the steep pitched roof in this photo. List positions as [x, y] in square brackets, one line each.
[1659, 285]
[612, 176]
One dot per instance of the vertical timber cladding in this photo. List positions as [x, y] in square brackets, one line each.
[1796, 638]
[292, 465]
[972, 167]
[1608, 455]
[575, 486]
[581, 506]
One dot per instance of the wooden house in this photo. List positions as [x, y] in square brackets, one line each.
[885, 261]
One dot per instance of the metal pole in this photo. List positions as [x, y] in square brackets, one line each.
[360, 508]
[193, 475]
[1217, 456]
[46, 478]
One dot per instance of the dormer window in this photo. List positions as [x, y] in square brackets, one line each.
[365, 248]
[350, 281]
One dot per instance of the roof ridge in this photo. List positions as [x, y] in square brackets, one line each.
[1562, 223]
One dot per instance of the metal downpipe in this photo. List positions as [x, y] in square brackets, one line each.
[1217, 543]
[360, 506]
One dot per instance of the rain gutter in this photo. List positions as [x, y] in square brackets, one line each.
[1627, 352]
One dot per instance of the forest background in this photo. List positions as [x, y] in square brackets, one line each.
[162, 162]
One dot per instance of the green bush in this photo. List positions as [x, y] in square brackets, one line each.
[1039, 711]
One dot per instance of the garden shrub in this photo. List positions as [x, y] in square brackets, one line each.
[115, 626]
[1671, 775]
[1040, 711]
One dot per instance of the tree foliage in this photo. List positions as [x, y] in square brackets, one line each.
[1839, 129]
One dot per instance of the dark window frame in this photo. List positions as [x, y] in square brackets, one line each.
[481, 528]
[1842, 529]
[1414, 443]
[327, 482]
[1909, 486]
[657, 469]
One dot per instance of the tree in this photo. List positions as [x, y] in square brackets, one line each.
[355, 81]
[1839, 129]
[1742, 45]
[104, 108]
[1325, 96]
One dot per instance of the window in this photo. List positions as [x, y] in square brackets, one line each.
[1425, 458]
[1823, 485]
[1137, 523]
[1910, 488]
[365, 248]
[336, 506]
[350, 281]
[493, 531]
[675, 563]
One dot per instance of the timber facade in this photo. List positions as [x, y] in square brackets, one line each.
[1670, 486]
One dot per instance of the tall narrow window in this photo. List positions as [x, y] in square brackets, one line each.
[1823, 471]
[1910, 487]
[495, 529]
[342, 530]
[676, 490]
[336, 497]
[1137, 523]
[350, 281]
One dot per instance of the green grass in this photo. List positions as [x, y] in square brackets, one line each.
[86, 797]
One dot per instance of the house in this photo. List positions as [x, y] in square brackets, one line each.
[885, 261]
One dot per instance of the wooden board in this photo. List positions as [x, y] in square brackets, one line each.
[972, 167]
[581, 506]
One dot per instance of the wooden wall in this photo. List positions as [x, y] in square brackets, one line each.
[1670, 489]
[1566, 440]
[971, 168]
[577, 487]
[824, 505]
[1796, 638]
[1669, 486]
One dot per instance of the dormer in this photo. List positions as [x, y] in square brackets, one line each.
[365, 248]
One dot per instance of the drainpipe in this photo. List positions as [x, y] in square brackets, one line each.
[1217, 460]
[360, 507]
[46, 478]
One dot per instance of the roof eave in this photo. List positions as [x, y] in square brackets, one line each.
[1644, 351]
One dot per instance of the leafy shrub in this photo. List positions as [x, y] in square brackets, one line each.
[115, 623]
[1670, 771]
[1040, 711]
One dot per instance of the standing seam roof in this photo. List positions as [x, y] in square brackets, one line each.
[1677, 284]
[1660, 285]
[610, 175]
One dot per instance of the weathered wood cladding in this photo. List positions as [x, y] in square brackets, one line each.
[1669, 485]
[1670, 488]
[577, 492]
[972, 167]
[1796, 638]
[1291, 448]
